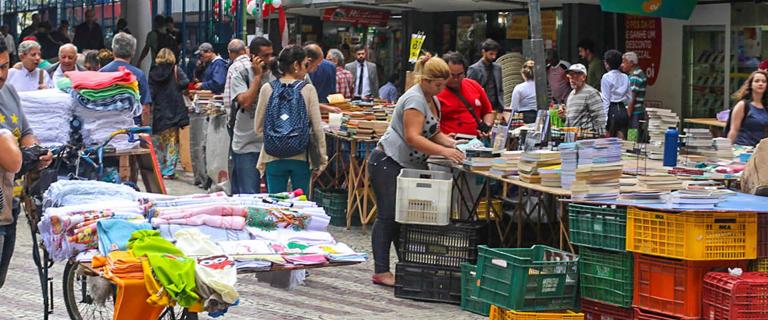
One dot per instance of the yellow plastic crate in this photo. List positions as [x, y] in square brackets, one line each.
[498, 313]
[482, 209]
[759, 265]
[693, 235]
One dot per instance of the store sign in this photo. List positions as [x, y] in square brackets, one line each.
[356, 16]
[643, 36]
[677, 9]
[517, 28]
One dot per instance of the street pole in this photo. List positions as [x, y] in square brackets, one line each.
[259, 21]
[537, 46]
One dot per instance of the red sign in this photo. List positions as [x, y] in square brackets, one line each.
[356, 16]
[643, 36]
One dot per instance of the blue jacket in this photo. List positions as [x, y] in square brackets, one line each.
[215, 75]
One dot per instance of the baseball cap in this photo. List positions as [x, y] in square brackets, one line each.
[577, 68]
[204, 47]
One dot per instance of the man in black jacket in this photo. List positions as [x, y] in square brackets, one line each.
[88, 35]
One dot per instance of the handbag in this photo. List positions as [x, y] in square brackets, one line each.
[481, 126]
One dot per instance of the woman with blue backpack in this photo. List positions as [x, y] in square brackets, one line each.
[288, 115]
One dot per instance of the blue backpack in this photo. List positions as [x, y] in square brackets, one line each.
[286, 123]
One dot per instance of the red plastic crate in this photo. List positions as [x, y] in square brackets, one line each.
[729, 297]
[641, 314]
[672, 286]
[594, 310]
[762, 235]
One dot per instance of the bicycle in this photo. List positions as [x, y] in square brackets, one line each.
[79, 163]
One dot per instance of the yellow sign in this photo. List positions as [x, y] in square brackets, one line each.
[417, 40]
[549, 25]
[517, 28]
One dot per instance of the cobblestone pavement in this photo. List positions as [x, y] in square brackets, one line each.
[330, 293]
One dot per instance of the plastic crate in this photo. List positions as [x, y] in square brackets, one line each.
[498, 313]
[497, 207]
[762, 235]
[427, 283]
[673, 286]
[599, 227]
[728, 297]
[334, 201]
[424, 197]
[446, 246]
[606, 276]
[641, 314]
[540, 278]
[759, 265]
[468, 288]
[594, 310]
[693, 235]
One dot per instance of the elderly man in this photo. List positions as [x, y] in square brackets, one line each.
[26, 76]
[124, 47]
[245, 78]
[584, 106]
[215, 74]
[67, 62]
[12, 119]
[637, 83]
[366, 77]
[345, 81]
[88, 34]
[322, 72]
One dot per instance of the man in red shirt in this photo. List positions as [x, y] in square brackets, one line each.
[456, 117]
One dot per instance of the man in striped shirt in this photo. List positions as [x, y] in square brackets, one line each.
[637, 84]
[584, 106]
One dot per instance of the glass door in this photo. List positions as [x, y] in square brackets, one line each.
[703, 71]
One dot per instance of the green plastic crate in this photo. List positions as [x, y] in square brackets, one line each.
[334, 201]
[468, 288]
[606, 276]
[539, 278]
[598, 227]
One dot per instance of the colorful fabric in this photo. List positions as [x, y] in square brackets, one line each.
[113, 234]
[174, 271]
[111, 91]
[99, 80]
[119, 102]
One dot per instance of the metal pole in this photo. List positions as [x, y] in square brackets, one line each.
[537, 46]
[259, 21]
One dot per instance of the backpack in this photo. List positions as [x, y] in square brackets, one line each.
[286, 129]
[234, 107]
[730, 115]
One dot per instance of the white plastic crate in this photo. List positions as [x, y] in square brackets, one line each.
[424, 197]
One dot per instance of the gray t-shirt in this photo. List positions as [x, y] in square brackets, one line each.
[244, 138]
[11, 115]
[393, 140]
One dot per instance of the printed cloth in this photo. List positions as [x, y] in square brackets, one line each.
[167, 150]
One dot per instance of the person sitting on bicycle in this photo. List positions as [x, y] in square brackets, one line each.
[12, 119]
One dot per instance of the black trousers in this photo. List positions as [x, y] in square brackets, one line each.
[383, 171]
[618, 120]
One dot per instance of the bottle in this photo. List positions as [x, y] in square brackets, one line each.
[287, 195]
[671, 138]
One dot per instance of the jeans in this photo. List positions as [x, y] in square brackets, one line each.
[8, 242]
[246, 179]
[383, 171]
[279, 171]
[529, 116]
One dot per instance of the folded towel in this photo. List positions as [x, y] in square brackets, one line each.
[99, 80]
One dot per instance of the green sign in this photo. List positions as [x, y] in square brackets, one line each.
[676, 9]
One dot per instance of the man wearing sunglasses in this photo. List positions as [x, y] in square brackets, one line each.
[464, 104]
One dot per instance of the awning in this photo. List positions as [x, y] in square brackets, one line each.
[676, 9]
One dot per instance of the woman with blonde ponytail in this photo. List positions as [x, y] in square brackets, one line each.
[524, 95]
[413, 135]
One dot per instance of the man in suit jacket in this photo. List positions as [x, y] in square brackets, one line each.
[488, 74]
[367, 79]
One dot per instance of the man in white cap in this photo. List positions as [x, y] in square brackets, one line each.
[215, 74]
[584, 106]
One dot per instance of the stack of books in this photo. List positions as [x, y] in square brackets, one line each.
[694, 199]
[550, 176]
[371, 129]
[380, 113]
[599, 170]
[658, 122]
[644, 197]
[530, 162]
[659, 182]
[479, 164]
[569, 156]
[506, 164]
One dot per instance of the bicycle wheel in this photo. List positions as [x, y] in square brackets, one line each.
[78, 296]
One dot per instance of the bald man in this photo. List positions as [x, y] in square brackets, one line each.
[321, 72]
[67, 62]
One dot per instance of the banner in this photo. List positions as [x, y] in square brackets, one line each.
[417, 40]
[643, 36]
[517, 27]
[676, 9]
[356, 16]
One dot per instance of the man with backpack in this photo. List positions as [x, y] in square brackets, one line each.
[158, 38]
[245, 77]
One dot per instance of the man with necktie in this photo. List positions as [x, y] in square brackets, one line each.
[365, 75]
